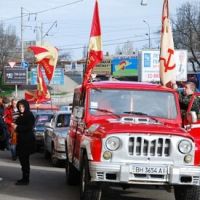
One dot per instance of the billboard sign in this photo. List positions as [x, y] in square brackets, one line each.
[15, 75]
[103, 68]
[149, 65]
[124, 66]
[58, 78]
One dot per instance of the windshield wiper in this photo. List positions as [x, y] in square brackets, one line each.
[105, 111]
[136, 113]
[142, 114]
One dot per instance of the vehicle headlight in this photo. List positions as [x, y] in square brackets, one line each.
[113, 143]
[185, 146]
[38, 133]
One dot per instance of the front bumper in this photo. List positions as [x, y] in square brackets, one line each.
[121, 173]
[39, 139]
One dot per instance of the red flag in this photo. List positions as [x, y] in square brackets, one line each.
[31, 96]
[95, 53]
[167, 57]
[42, 93]
[46, 56]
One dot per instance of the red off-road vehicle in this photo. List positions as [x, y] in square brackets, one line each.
[127, 133]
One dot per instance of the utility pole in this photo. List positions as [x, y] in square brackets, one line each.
[149, 33]
[143, 2]
[22, 39]
[41, 34]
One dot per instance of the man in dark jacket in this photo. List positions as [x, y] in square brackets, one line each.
[185, 98]
[25, 139]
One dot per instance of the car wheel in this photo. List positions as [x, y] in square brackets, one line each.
[187, 192]
[72, 175]
[47, 155]
[54, 159]
[88, 190]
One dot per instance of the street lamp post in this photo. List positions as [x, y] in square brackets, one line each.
[143, 2]
[149, 33]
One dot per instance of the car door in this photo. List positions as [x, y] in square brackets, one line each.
[49, 134]
[193, 127]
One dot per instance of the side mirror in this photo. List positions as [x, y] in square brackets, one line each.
[191, 117]
[48, 124]
[78, 112]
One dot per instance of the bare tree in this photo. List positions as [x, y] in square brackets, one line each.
[8, 44]
[126, 49]
[66, 56]
[118, 50]
[186, 28]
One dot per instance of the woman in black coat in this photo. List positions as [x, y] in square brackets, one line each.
[25, 139]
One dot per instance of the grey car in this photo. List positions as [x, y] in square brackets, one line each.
[54, 137]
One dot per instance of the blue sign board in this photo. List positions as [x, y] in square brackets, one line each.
[25, 64]
[124, 66]
[58, 78]
[147, 60]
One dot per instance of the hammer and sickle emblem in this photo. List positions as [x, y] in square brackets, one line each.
[166, 63]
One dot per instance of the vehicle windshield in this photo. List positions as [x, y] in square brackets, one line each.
[42, 119]
[63, 120]
[118, 101]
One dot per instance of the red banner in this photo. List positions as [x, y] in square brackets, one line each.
[46, 56]
[95, 53]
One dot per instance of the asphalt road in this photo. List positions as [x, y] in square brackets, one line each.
[48, 183]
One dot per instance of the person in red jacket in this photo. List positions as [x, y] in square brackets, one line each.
[10, 115]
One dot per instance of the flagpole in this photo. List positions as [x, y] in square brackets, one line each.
[51, 99]
[94, 53]
[81, 103]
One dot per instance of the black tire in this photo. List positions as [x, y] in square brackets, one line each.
[187, 192]
[47, 155]
[72, 175]
[88, 190]
[54, 160]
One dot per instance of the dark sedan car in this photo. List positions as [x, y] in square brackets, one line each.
[41, 117]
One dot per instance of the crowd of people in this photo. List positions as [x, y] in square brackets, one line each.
[16, 133]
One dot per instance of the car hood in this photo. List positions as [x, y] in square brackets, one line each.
[117, 126]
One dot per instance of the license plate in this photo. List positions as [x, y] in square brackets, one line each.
[149, 170]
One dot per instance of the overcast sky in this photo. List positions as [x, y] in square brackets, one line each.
[121, 20]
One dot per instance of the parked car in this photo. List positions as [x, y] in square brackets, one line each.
[54, 137]
[41, 117]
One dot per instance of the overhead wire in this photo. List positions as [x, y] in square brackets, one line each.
[42, 11]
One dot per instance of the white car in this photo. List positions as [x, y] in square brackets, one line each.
[54, 137]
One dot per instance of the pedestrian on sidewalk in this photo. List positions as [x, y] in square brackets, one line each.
[11, 113]
[25, 139]
[4, 135]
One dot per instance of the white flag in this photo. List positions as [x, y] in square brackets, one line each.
[167, 58]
